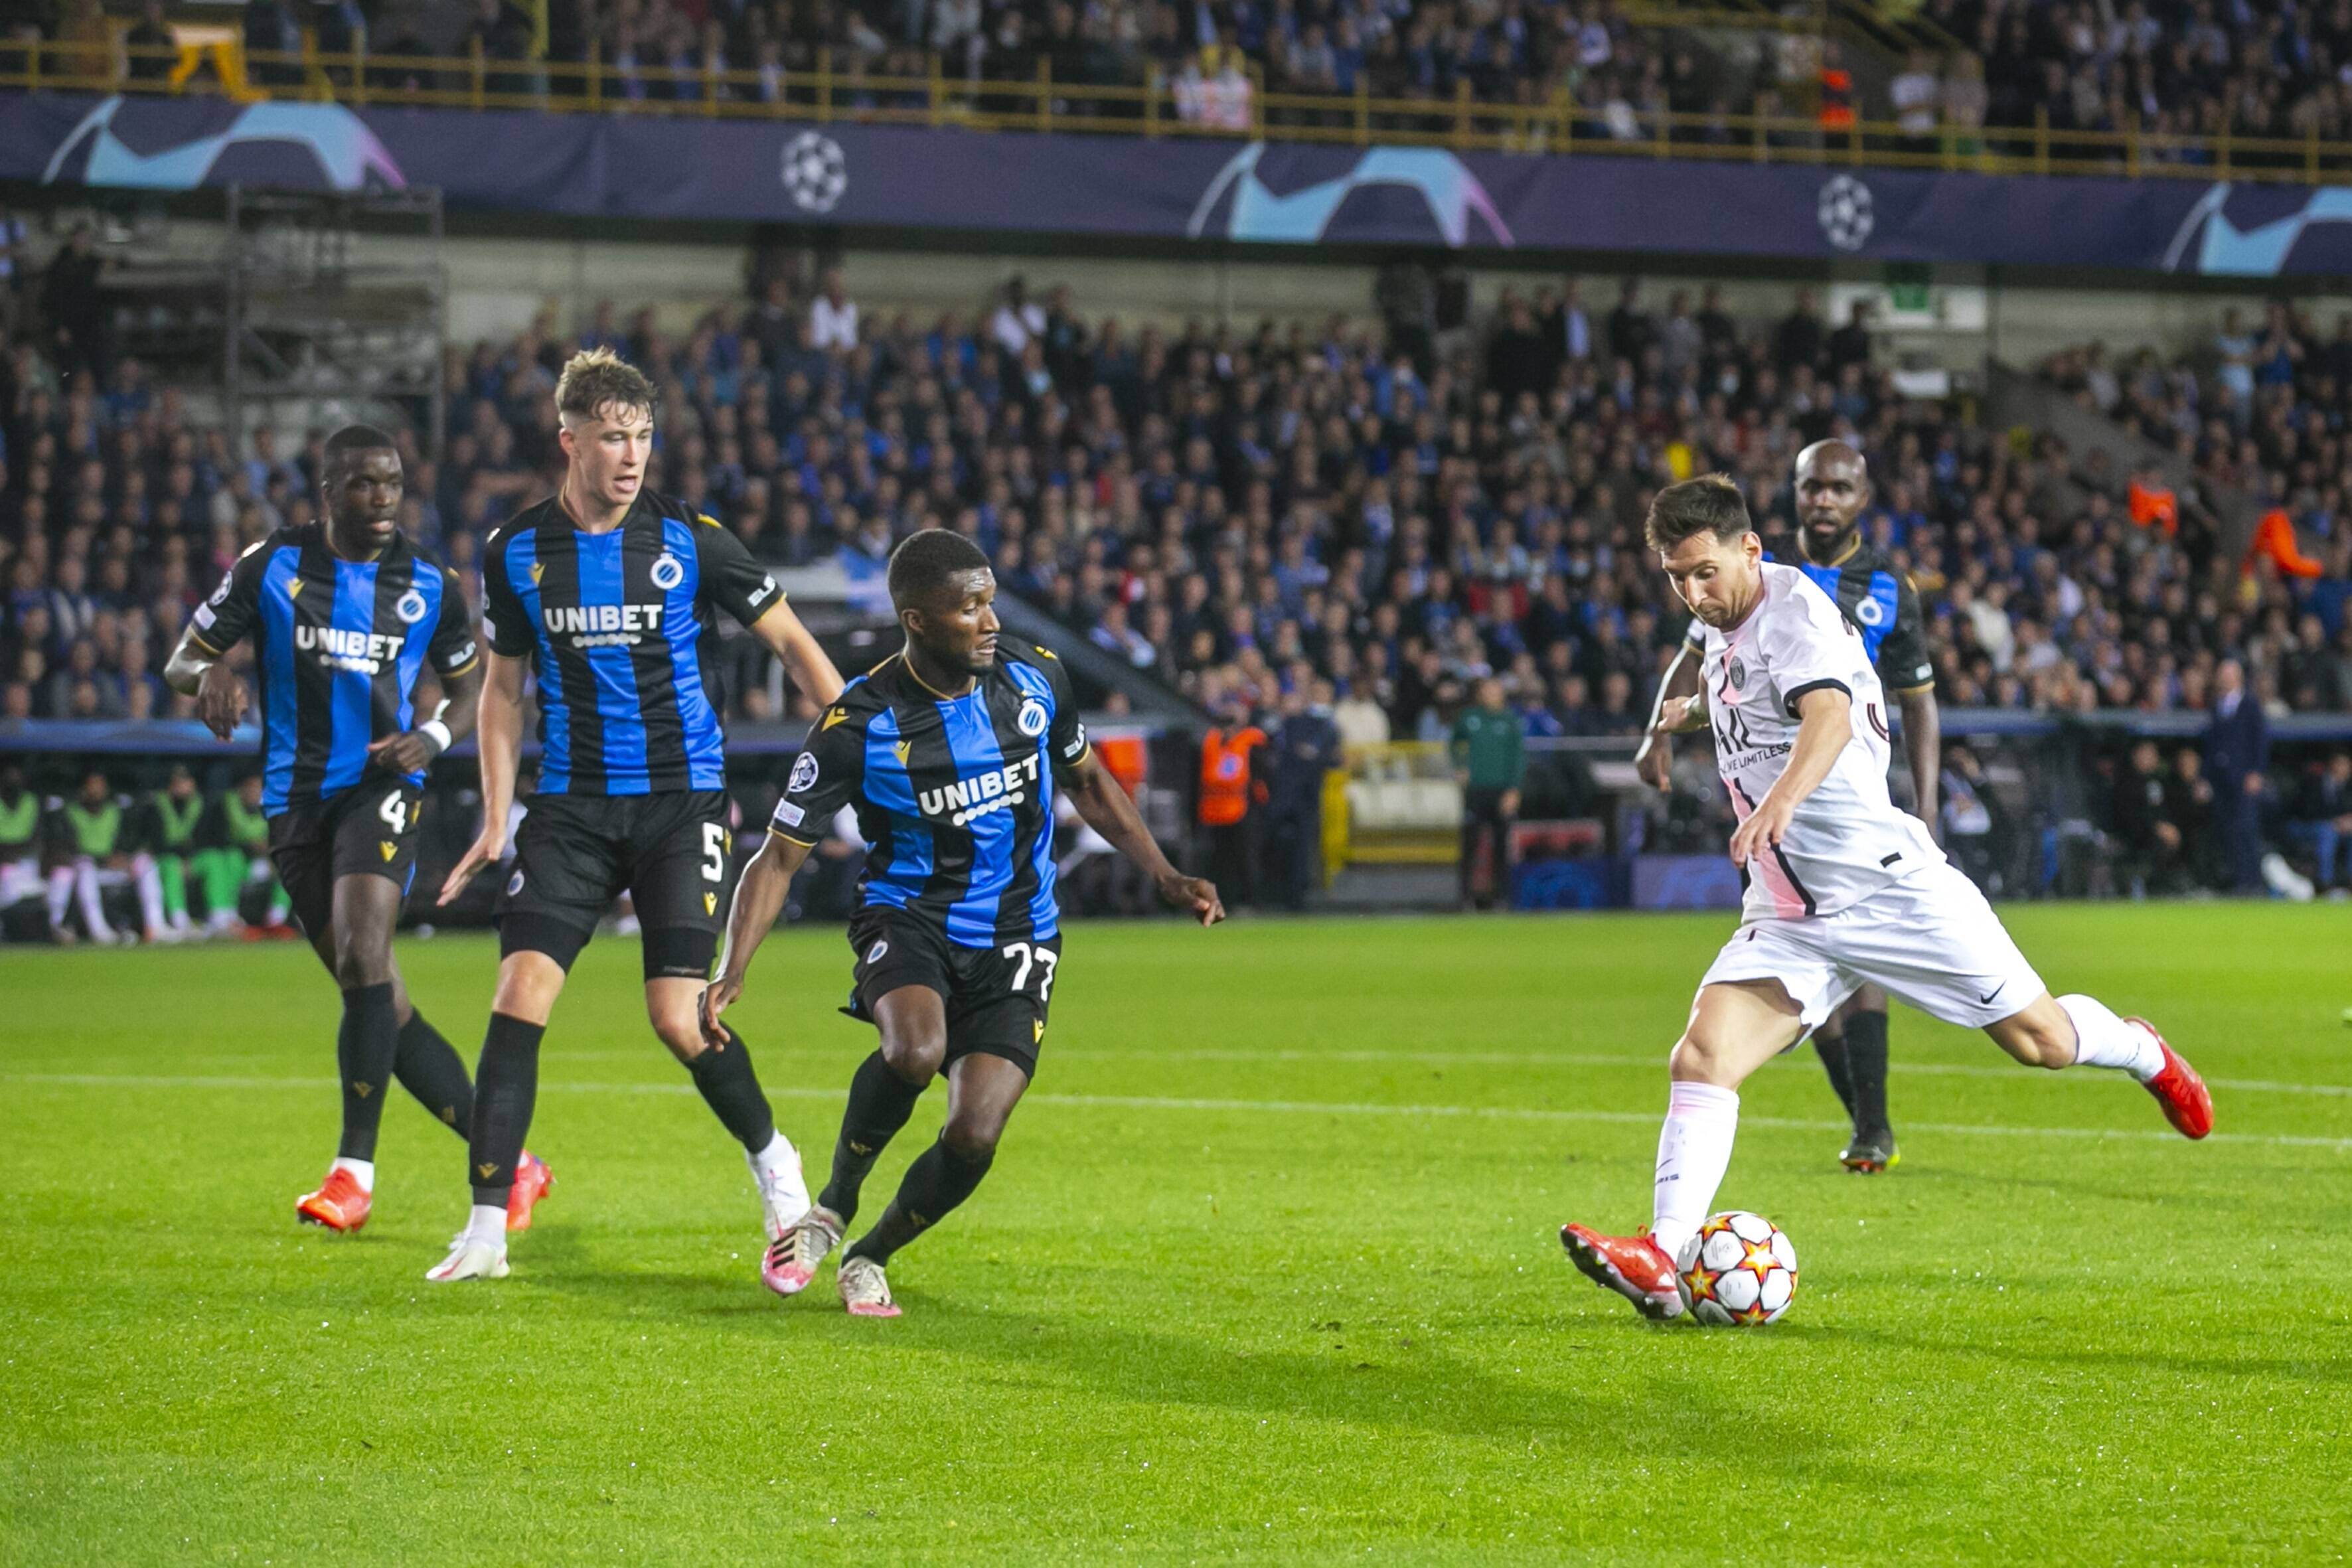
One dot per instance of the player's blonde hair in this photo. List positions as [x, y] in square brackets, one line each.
[1711, 503]
[596, 379]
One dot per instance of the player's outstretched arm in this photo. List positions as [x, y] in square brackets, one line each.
[804, 655]
[1825, 723]
[759, 899]
[1679, 699]
[1109, 812]
[500, 708]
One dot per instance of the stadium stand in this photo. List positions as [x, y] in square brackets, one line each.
[1248, 514]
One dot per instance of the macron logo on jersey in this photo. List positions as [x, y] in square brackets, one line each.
[968, 800]
[364, 653]
[603, 626]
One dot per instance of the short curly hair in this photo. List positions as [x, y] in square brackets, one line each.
[1710, 503]
[596, 379]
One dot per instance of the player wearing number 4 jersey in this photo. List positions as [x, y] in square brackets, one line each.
[951, 751]
[344, 616]
[1844, 889]
[608, 595]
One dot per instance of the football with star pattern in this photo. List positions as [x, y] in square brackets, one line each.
[1738, 1271]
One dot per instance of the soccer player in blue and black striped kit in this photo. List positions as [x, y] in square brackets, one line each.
[344, 615]
[609, 595]
[950, 750]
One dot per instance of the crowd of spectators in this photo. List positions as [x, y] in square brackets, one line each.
[2190, 68]
[1375, 513]
[2181, 72]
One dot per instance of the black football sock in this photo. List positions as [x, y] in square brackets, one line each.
[429, 1067]
[879, 1103]
[937, 1181]
[1832, 1050]
[364, 1048]
[505, 1085]
[723, 1073]
[1865, 1066]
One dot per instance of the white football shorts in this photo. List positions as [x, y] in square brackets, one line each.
[1930, 939]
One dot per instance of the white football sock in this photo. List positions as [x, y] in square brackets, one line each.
[362, 1171]
[489, 1223]
[2104, 1041]
[1694, 1151]
[778, 1158]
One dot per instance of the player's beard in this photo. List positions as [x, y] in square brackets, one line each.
[1822, 550]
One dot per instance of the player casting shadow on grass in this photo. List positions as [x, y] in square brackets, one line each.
[950, 750]
[1844, 889]
[609, 596]
[344, 615]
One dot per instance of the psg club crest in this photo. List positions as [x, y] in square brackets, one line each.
[411, 606]
[1032, 719]
[668, 571]
[1737, 672]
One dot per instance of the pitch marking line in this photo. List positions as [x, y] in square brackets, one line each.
[1281, 1107]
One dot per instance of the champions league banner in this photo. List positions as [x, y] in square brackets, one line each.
[662, 167]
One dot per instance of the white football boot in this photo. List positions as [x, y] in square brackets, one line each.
[470, 1257]
[863, 1290]
[793, 1257]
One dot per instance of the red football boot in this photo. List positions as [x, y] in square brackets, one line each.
[2186, 1104]
[339, 1204]
[1635, 1267]
[533, 1181]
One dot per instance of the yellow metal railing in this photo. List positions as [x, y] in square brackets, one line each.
[843, 92]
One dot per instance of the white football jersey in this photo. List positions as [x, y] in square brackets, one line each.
[1846, 839]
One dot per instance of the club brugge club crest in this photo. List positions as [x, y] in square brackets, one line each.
[668, 571]
[411, 606]
[1032, 719]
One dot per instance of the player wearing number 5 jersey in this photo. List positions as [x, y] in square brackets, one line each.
[951, 751]
[344, 615]
[609, 597]
[1844, 889]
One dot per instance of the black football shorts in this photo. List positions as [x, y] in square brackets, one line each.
[997, 998]
[575, 854]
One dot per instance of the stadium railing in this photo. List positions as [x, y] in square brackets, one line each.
[847, 92]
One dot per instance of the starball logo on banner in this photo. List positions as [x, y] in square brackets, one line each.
[344, 154]
[1452, 194]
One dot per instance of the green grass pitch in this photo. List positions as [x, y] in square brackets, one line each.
[1267, 1270]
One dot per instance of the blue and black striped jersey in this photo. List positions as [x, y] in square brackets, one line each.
[954, 795]
[1880, 603]
[620, 627]
[339, 645]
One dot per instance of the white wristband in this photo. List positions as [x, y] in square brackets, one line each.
[439, 731]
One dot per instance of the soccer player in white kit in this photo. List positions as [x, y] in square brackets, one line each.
[1843, 888]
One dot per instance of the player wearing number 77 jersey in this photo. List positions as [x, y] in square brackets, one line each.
[950, 750]
[343, 616]
[1844, 889]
